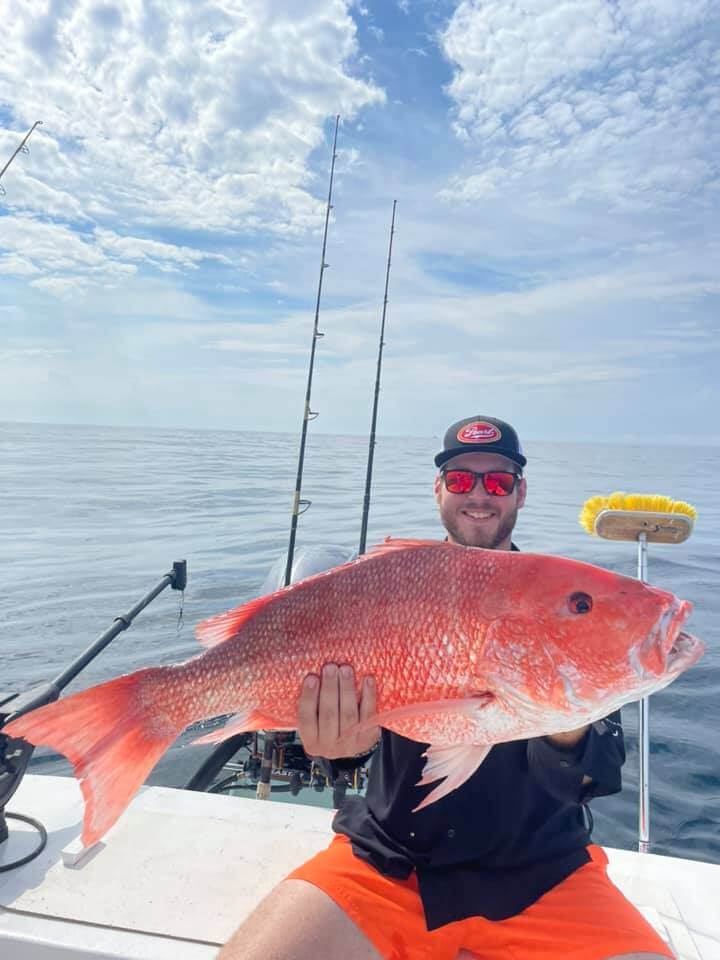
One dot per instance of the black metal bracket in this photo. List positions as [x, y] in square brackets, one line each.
[179, 575]
[14, 757]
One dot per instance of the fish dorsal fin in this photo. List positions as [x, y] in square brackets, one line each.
[223, 626]
[218, 629]
[392, 545]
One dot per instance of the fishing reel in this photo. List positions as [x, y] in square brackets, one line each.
[289, 771]
[300, 771]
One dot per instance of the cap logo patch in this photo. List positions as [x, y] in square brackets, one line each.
[479, 432]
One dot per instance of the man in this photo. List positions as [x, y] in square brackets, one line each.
[503, 866]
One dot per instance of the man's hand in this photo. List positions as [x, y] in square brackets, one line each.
[329, 707]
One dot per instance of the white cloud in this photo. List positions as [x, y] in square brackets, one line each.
[65, 288]
[17, 266]
[152, 251]
[277, 347]
[177, 191]
[63, 261]
[586, 100]
[169, 114]
[71, 261]
[161, 355]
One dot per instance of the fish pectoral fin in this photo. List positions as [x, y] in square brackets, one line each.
[455, 764]
[245, 721]
[463, 706]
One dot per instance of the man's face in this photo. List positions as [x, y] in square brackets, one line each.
[480, 519]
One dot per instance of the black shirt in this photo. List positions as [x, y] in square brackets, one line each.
[495, 845]
[516, 828]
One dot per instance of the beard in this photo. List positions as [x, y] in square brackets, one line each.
[463, 533]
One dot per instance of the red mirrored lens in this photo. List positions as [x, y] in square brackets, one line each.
[459, 481]
[499, 483]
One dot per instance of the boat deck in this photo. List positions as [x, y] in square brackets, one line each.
[180, 870]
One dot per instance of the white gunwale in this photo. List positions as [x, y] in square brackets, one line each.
[180, 870]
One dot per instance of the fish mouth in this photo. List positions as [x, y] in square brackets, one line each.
[676, 650]
[684, 652]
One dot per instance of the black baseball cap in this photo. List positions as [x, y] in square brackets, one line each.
[481, 435]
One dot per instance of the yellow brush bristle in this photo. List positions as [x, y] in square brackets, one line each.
[591, 508]
[645, 502]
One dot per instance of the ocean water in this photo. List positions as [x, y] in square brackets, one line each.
[92, 517]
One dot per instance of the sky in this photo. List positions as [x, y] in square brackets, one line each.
[555, 259]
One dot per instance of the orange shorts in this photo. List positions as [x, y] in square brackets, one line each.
[583, 918]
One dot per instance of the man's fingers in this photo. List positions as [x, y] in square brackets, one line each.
[308, 710]
[368, 698]
[348, 699]
[328, 706]
[368, 707]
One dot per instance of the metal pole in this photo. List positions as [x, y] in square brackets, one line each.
[643, 731]
[21, 148]
[373, 425]
[308, 413]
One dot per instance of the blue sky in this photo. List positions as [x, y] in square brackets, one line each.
[555, 164]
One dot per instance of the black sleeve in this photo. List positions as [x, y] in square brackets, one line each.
[604, 756]
[599, 755]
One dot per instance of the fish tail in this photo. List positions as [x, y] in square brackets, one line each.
[113, 734]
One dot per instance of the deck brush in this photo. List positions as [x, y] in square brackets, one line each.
[624, 516]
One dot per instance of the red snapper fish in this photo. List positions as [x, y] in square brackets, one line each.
[469, 648]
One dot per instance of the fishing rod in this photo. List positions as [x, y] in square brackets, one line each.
[21, 149]
[299, 505]
[222, 754]
[371, 447]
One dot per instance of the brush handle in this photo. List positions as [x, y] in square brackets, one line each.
[643, 731]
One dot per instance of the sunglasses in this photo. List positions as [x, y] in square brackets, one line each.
[498, 483]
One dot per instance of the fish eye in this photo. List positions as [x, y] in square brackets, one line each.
[580, 603]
